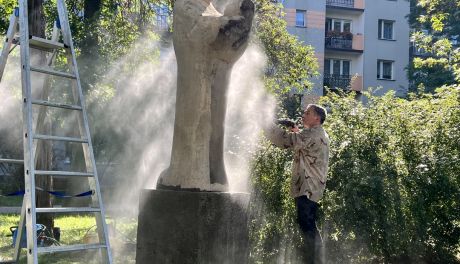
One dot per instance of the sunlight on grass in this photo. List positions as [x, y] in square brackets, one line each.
[76, 230]
[7, 221]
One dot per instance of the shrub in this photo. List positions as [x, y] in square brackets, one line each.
[393, 187]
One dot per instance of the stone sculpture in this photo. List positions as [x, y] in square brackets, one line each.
[209, 37]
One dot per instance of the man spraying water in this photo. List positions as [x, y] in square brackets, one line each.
[309, 172]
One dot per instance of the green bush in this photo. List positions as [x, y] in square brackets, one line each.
[393, 187]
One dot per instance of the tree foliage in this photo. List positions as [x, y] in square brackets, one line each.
[394, 182]
[6, 9]
[273, 228]
[436, 27]
[291, 63]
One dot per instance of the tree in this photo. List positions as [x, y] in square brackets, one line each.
[90, 43]
[6, 9]
[291, 63]
[436, 31]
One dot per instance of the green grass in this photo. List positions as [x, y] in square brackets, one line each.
[77, 230]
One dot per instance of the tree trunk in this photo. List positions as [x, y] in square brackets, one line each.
[90, 44]
[37, 28]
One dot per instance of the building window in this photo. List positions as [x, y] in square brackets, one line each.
[337, 67]
[338, 25]
[385, 70]
[386, 29]
[300, 18]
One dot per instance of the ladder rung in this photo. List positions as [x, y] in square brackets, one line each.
[12, 161]
[64, 173]
[7, 261]
[69, 248]
[56, 138]
[45, 44]
[67, 210]
[53, 72]
[58, 105]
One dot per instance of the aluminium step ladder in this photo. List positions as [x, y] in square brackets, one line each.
[29, 210]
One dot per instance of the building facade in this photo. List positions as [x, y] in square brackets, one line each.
[358, 43]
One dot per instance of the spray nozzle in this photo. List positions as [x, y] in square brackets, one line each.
[286, 123]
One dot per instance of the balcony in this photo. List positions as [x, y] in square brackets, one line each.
[346, 4]
[338, 43]
[343, 82]
[344, 41]
[335, 81]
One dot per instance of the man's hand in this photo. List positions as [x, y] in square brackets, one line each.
[289, 124]
[286, 123]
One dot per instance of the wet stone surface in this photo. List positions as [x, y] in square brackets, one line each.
[192, 227]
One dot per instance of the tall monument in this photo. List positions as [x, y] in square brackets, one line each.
[188, 219]
[209, 37]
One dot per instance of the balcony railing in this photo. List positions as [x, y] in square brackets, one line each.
[341, 3]
[335, 81]
[338, 43]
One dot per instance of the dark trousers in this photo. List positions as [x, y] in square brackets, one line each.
[306, 217]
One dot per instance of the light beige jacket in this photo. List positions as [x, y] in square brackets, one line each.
[311, 159]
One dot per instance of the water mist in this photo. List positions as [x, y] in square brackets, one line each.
[143, 111]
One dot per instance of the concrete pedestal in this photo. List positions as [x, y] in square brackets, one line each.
[192, 227]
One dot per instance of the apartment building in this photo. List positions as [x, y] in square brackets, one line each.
[358, 43]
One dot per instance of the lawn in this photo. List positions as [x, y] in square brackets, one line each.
[78, 229]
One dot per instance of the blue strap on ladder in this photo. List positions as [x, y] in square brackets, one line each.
[57, 194]
[18, 193]
[63, 195]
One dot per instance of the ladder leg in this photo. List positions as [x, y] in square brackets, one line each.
[102, 229]
[8, 42]
[84, 131]
[29, 166]
[20, 233]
